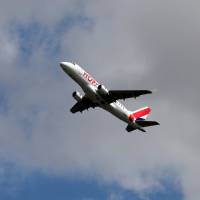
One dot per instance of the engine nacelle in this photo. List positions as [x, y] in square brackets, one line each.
[77, 96]
[102, 90]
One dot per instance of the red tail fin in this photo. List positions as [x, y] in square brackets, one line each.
[141, 113]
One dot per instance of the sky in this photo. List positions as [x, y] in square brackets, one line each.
[47, 152]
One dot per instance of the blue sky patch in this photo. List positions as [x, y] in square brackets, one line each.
[37, 186]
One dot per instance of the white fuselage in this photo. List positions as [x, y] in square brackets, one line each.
[90, 87]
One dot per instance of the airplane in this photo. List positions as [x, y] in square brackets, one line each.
[97, 95]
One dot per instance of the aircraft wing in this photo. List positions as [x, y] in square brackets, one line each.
[82, 105]
[124, 94]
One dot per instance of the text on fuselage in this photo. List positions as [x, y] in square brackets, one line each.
[90, 79]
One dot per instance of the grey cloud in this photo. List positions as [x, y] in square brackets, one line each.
[131, 44]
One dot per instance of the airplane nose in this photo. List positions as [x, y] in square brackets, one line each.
[62, 65]
[65, 65]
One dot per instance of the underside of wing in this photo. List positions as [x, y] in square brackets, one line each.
[82, 105]
[124, 94]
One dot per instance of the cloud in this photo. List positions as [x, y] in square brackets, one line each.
[126, 45]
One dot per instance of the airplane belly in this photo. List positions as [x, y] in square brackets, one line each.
[114, 109]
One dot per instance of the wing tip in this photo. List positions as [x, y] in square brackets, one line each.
[149, 92]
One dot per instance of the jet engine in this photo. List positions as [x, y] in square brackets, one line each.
[77, 96]
[102, 90]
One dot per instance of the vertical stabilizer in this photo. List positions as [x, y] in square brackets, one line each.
[140, 114]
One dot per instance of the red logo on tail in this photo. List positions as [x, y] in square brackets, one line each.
[141, 113]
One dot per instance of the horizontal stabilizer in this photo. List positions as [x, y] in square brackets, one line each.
[144, 123]
[139, 124]
[133, 127]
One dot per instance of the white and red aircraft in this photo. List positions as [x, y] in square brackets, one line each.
[97, 95]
